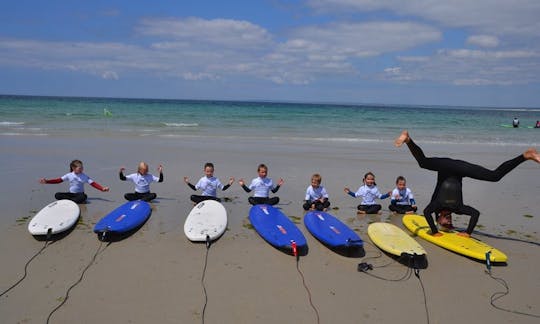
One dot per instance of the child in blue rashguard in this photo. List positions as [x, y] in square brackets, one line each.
[262, 186]
[316, 195]
[208, 184]
[402, 198]
[369, 192]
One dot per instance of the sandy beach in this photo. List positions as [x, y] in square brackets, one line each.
[154, 276]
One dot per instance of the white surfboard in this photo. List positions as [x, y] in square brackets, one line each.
[57, 216]
[208, 217]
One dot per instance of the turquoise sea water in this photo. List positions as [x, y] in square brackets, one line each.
[65, 116]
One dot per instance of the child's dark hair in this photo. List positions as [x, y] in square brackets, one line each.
[74, 164]
[400, 178]
[209, 165]
[262, 166]
[369, 174]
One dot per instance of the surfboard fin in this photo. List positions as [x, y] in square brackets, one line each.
[208, 241]
[488, 262]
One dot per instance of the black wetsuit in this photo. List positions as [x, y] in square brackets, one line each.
[448, 193]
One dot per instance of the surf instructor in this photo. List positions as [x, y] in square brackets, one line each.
[447, 197]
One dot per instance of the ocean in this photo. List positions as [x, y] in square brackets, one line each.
[88, 117]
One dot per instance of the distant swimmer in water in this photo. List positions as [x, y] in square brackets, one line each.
[515, 122]
[537, 124]
[447, 197]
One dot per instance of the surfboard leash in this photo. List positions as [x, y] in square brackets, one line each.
[412, 267]
[297, 257]
[365, 267]
[208, 244]
[500, 294]
[47, 240]
[66, 296]
[417, 274]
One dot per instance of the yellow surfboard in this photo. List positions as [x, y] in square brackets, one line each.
[392, 239]
[449, 240]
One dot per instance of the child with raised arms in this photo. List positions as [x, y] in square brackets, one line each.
[76, 179]
[209, 185]
[369, 192]
[316, 195]
[142, 180]
[402, 199]
[262, 186]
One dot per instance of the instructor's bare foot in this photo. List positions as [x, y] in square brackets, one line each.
[402, 138]
[532, 154]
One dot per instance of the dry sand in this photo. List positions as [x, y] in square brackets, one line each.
[154, 276]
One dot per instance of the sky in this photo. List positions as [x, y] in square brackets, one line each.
[414, 52]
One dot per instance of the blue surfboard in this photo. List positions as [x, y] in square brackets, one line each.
[276, 228]
[331, 231]
[124, 218]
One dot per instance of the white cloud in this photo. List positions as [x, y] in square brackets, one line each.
[110, 75]
[223, 32]
[483, 40]
[466, 67]
[347, 40]
[499, 17]
[199, 76]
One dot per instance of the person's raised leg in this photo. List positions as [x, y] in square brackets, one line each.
[402, 138]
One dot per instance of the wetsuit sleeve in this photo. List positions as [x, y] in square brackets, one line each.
[160, 177]
[122, 176]
[393, 202]
[225, 187]
[276, 189]
[246, 189]
[191, 186]
[57, 180]
[386, 195]
[97, 186]
[413, 202]
[352, 194]
[427, 214]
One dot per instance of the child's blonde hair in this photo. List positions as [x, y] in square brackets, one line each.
[317, 177]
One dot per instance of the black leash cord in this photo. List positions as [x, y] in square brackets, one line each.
[78, 281]
[500, 294]
[417, 274]
[203, 276]
[307, 290]
[27, 263]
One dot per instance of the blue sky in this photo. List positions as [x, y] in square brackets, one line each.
[454, 52]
